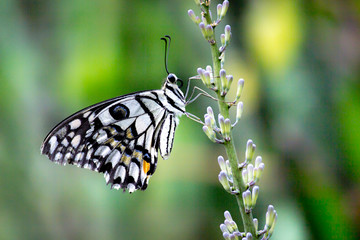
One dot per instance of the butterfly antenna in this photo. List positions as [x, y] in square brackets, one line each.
[167, 46]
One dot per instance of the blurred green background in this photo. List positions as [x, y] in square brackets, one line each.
[300, 62]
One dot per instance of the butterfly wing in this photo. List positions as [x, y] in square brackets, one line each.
[119, 137]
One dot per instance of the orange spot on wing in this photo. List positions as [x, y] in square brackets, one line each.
[146, 166]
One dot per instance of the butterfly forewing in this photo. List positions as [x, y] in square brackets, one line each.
[119, 137]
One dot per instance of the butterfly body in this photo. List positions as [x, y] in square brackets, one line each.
[120, 137]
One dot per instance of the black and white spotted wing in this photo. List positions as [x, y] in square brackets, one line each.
[120, 137]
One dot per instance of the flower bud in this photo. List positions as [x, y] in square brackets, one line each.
[210, 112]
[256, 224]
[207, 120]
[227, 215]
[207, 78]
[227, 34]
[250, 149]
[258, 172]
[209, 31]
[239, 89]
[193, 17]
[218, 11]
[201, 71]
[222, 165]
[227, 128]
[210, 133]
[239, 111]
[247, 200]
[271, 230]
[224, 9]
[223, 81]
[226, 236]
[270, 216]
[204, 77]
[209, 69]
[250, 170]
[244, 175]
[249, 236]
[229, 225]
[222, 39]
[223, 228]
[224, 180]
[254, 195]
[202, 28]
[228, 167]
[229, 81]
[258, 160]
[221, 121]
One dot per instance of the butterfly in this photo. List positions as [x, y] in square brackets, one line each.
[121, 137]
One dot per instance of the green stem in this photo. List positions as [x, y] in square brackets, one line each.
[229, 145]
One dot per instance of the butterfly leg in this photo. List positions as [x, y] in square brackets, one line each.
[188, 84]
[202, 93]
[194, 118]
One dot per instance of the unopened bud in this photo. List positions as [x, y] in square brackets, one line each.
[254, 195]
[210, 112]
[224, 180]
[256, 224]
[239, 111]
[250, 149]
[227, 34]
[223, 80]
[227, 215]
[202, 28]
[244, 175]
[229, 81]
[222, 164]
[258, 160]
[222, 39]
[204, 77]
[224, 9]
[226, 236]
[221, 121]
[207, 78]
[249, 236]
[270, 216]
[209, 31]
[239, 89]
[210, 133]
[227, 128]
[258, 172]
[223, 228]
[247, 200]
[193, 17]
[250, 169]
[271, 230]
[218, 11]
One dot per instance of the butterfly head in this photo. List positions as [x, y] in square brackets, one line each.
[172, 87]
[173, 79]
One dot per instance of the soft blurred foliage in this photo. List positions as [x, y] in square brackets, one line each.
[300, 62]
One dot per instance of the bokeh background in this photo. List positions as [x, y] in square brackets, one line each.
[300, 62]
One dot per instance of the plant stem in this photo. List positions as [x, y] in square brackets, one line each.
[229, 145]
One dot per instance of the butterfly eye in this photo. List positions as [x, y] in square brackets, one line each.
[171, 78]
